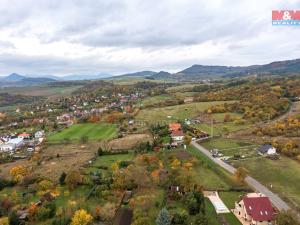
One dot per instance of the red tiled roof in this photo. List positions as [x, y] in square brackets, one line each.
[177, 133]
[24, 135]
[174, 126]
[259, 208]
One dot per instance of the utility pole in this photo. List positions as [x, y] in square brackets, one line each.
[212, 128]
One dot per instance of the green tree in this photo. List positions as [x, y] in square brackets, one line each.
[62, 178]
[163, 217]
[201, 219]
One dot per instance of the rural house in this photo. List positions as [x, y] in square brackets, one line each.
[255, 209]
[174, 127]
[177, 135]
[123, 216]
[267, 150]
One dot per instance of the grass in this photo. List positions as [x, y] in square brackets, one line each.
[210, 175]
[108, 160]
[155, 99]
[283, 174]
[94, 131]
[221, 128]
[178, 112]
[229, 147]
[211, 213]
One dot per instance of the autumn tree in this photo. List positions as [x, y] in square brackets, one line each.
[163, 217]
[18, 173]
[73, 179]
[81, 217]
[241, 173]
[187, 139]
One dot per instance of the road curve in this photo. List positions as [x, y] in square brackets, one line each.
[254, 184]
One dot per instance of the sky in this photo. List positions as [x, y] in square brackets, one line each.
[64, 37]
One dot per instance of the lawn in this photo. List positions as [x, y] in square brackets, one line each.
[229, 147]
[155, 99]
[283, 174]
[108, 160]
[94, 131]
[174, 113]
[210, 175]
[221, 128]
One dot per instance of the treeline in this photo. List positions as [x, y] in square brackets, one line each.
[255, 101]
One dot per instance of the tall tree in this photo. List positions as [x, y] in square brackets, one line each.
[163, 217]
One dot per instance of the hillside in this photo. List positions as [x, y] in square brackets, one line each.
[16, 80]
[196, 72]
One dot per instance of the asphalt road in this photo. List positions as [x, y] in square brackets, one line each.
[254, 184]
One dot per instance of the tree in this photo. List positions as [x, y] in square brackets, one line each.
[73, 179]
[18, 172]
[81, 217]
[201, 219]
[241, 173]
[187, 139]
[62, 178]
[163, 217]
[286, 218]
[84, 139]
[13, 218]
[4, 221]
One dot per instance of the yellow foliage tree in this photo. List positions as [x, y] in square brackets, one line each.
[4, 221]
[175, 164]
[18, 172]
[81, 217]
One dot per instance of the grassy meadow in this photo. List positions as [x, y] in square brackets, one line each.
[94, 131]
[174, 113]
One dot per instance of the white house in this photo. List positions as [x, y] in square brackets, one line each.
[267, 150]
[16, 142]
[7, 148]
[39, 134]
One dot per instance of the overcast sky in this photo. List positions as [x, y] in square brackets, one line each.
[62, 37]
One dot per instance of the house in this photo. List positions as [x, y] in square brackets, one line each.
[123, 216]
[177, 135]
[25, 136]
[256, 209]
[267, 150]
[39, 134]
[7, 148]
[174, 127]
[16, 142]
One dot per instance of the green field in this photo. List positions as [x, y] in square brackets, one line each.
[178, 112]
[155, 99]
[94, 131]
[221, 128]
[283, 174]
[229, 147]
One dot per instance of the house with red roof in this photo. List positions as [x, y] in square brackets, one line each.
[174, 127]
[255, 209]
[177, 135]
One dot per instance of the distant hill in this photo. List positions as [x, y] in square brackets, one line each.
[17, 80]
[162, 75]
[145, 73]
[196, 72]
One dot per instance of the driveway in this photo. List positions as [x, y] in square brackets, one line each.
[254, 184]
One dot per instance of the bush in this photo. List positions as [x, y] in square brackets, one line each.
[179, 219]
[62, 178]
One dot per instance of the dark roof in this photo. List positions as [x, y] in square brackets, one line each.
[259, 208]
[265, 148]
[123, 216]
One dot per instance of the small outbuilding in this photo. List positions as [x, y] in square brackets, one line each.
[267, 150]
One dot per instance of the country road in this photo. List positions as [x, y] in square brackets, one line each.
[254, 184]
